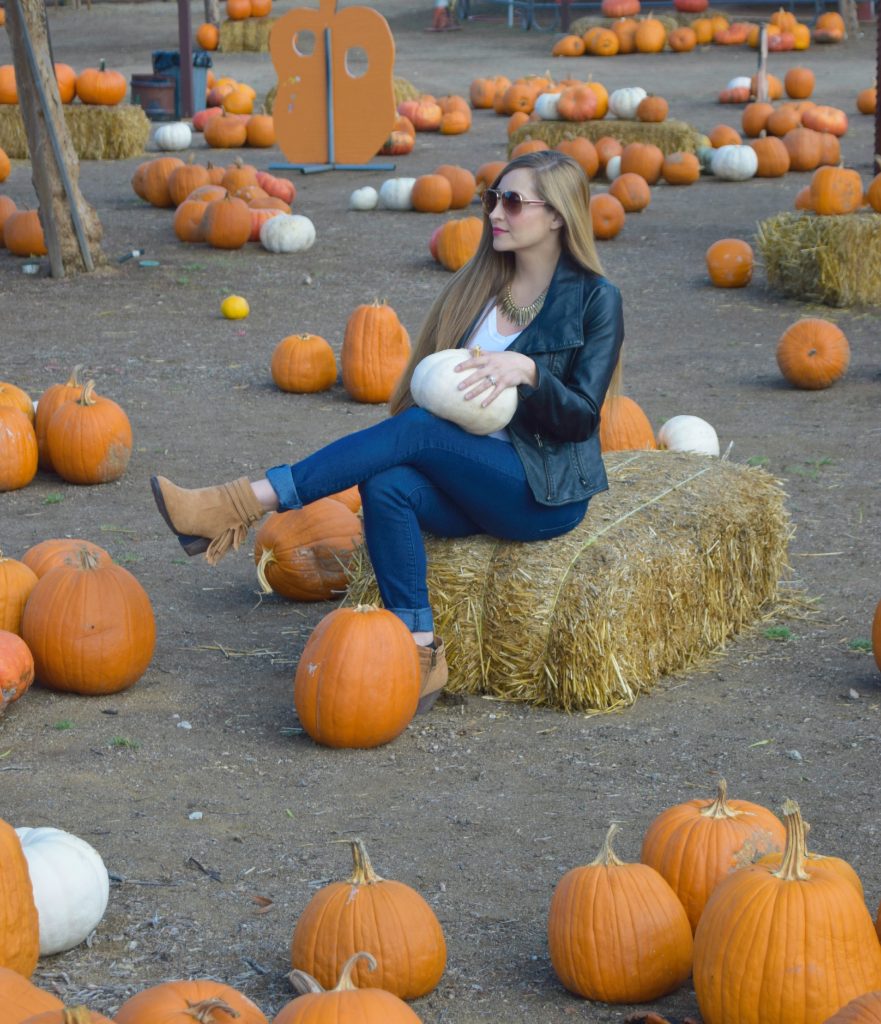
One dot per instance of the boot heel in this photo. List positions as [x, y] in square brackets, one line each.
[191, 545]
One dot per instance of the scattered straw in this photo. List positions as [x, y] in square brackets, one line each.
[678, 556]
[251, 34]
[97, 133]
[833, 260]
[669, 136]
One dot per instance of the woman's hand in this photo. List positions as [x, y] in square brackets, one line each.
[493, 372]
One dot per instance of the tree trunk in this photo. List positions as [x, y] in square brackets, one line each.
[58, 210]
[877, 166]
[212, 12]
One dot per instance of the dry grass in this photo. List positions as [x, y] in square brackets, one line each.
[677, 557]
[669, 136]
[833, 260]
[247, 34]
[97, 133]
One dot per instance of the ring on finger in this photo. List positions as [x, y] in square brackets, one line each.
[491, 379]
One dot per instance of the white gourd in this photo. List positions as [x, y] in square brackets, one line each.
[740, 82]
[71, 886]
[173, 136]
[623, 102]
[734, 163]
[546, 106]
[688, 434]
[435, 387]
[396, 193]
[613, 167]
[364, 198]
[289, 232]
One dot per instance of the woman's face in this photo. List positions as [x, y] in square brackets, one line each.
[535, 225]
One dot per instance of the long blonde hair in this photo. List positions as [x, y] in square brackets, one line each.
[562, 184]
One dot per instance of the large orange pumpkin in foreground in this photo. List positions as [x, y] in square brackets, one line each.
[813, 353]
[21, 999]
[17, 580]
[90, 627]
[53, 397]
[624, 426]
[55, 551]
[303, 363]
[617, 932]
[89, 441]
[783, 944]
[189, 1001]
[375, 351]
[696, 844]
[18, 449]
[458, 241]
[69, 1015]
[19, 928]
[371, 913]
[357, 683]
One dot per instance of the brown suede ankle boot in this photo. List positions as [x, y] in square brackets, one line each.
[433, 663]
[209, 519]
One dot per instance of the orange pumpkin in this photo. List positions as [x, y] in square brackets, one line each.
[803, 199]
[65, 76]
[100, 86]
[681, 169]
[17, 580]
[238, 10]
[755, 117]
[303, 364]
[624, 426]
[432, 193]
[260, 131]
[187, 222]
[370, 912]
[632, 192]
[229, 131]
[69, 1015]
[487, 173]
[784, 119]
[773, 157]
[462, 184]
[867, 101]
[19, 928]
[682, 39]
[650, 36]
[186, 179]
[20, 999]
[23, 233]
[458, 241]
[357, 683]
[155, 180]
[16, 668]
[824, 118]
[617, 932]
[604, 43]
[185, 1002]
[703, 29]
[54, 396]
[804, 147]
[836, 190]
[303, 554]
[696, 844]
[724, 135]
[644, 159]
[730, 263]
[607, 215]
[18, 449]
[652, 109]
[226, 223]
[577, 103]
[375, 351]
[799, 83]
[583, 151]
[607, 146]
[89, 440]
[568, 46]
[7, 204]
[813, 353]
[49, 554]
[208, 36]
[261, 8]
[11, 394]
[456, 122]
[873, 193]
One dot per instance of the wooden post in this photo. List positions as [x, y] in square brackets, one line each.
[762, 69]
[70, 225]
[185, 35]
[878, 82]
[212, 12]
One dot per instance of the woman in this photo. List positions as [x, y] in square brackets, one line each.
[536, 313]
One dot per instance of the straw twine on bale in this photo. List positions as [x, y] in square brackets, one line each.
[404, 90]
[679, 555]
[668, 136]
[833, 260]
[97, 133]
[248, 34]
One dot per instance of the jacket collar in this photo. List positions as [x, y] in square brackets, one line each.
[560, 323]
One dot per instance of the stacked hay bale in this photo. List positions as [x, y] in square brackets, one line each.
[97, 132]
[246, 35]
[833, 260]
[677, 557]
[668, 136]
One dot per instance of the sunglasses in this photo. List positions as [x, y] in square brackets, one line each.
[512, 202]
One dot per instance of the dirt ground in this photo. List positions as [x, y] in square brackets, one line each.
[480, 805]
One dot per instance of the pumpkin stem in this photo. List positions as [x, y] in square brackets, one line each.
[792, 867]
[364, 873]
[720, 808]
[76, 1015]
[88, 395]
[204, 1012]
[345, 982]
[304, 984]
[267, 557]
[607, 857]
[73, 381]
[86, 559]
[102, 64]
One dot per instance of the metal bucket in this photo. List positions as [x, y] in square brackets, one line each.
[155, 93]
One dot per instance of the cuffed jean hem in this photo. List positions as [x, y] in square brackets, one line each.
[417, 620]
[282, 482]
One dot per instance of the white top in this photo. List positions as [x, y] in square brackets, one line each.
[489, 339]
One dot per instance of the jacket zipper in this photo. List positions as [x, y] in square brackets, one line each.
[544, 463]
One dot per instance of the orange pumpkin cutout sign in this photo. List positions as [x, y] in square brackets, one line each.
[325, 111]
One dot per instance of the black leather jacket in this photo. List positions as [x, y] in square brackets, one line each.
[574, 342]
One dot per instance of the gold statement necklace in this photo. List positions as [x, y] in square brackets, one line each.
[520, 315]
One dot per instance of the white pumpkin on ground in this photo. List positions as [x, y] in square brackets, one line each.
[546, 106]
[364, 198]
[289, 232]
[740, 82]
[613, 168]
[734, 163]
[689, 434]
[71, 886]
[173, 136]
[435, 387]
[623, 102]
[396, 194]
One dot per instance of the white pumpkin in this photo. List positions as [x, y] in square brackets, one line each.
[396, 193]
[71, 886]
[688, 434]
[435, 387]
[740, 82]
[623, 102]
[364, 198]
[546, 106]
[289, 232]
[734, 163]
[173, 136]
[613, 167]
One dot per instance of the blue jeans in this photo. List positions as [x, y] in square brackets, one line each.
[418, 472]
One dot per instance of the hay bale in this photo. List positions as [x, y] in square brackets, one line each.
[581, 25]
[97, 133]
[833, 260]
[669, 136]
[246, 34]
[677, 557]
